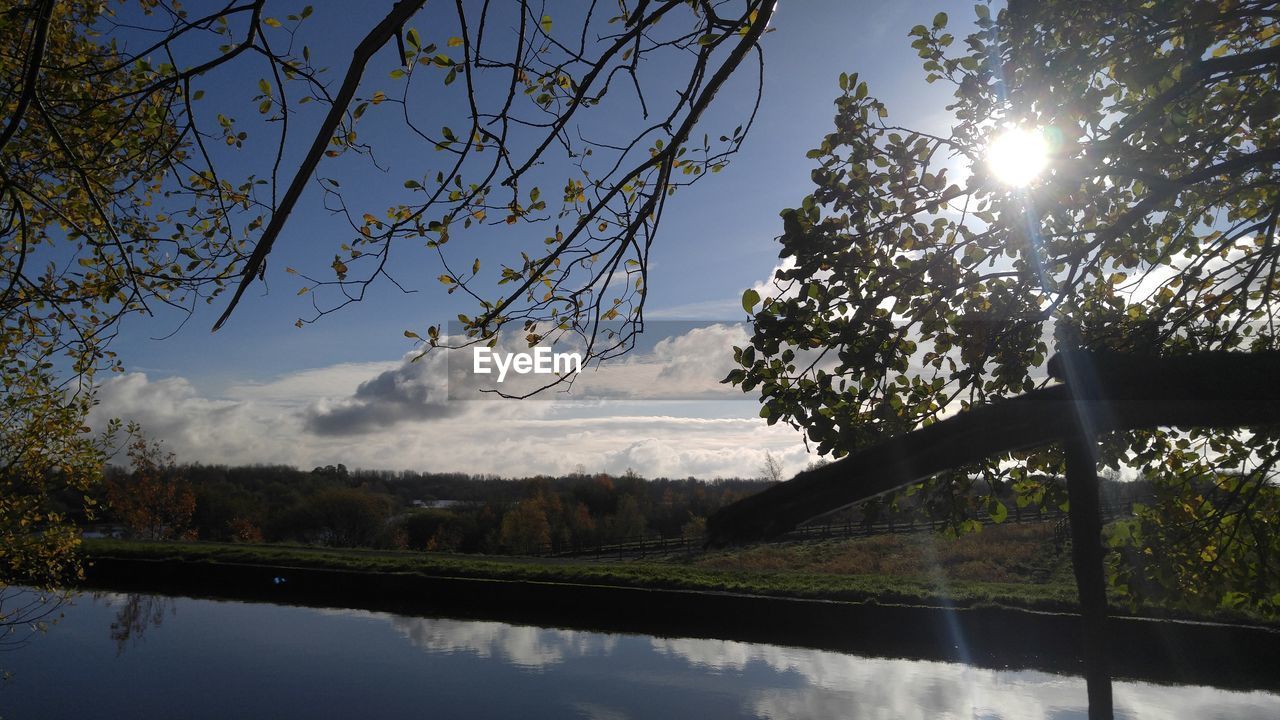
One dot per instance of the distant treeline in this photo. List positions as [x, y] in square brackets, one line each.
[453, 512]
[458, 512]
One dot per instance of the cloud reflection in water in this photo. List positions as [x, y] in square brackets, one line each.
[784, 682]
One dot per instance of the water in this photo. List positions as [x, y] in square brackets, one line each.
[146, 656]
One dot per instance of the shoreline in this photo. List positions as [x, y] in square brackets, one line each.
[1150, 649]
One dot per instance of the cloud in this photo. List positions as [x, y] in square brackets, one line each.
[684, 366]
[408, 392]
[834, 682]
[310, 385]
[194, 426]
[521, 645]
[772, 681]
[399, 415]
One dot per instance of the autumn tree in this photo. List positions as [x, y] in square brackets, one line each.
[525, 529]
[1107, 181]
[154, 501]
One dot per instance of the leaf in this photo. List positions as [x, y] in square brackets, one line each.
[750, 299]
[454, 42]
[546, 23]
[272, 22]
[940, 20]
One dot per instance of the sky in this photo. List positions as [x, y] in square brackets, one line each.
[347, 390]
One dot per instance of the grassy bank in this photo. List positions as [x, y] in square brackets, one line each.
[1010, 566]
[766, 570]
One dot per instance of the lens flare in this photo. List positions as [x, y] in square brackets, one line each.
[1017, 156]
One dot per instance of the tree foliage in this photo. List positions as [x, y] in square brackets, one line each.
[918, 284]
[155, 502]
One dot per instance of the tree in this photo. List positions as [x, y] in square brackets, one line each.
[772, 469]
[154, 501]
[525, 529]
[123, 190]
[919, 280]
[345, 517]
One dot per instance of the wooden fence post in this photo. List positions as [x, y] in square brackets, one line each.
[1087, 561]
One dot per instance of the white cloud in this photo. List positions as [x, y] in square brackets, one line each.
[311, 384]
[834, 682]
[397, 415]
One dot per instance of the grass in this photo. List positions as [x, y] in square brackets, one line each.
[1018, 566]
[1022, 554]
[823, 578]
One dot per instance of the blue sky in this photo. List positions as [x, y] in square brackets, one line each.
[251, 392]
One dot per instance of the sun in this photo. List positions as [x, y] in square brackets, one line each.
[1017, 156]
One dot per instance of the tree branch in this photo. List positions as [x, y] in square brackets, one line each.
[34, 59]
[384, 31]
[1119, 392]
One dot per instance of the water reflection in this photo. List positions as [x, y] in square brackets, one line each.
[521, 645]
[25, 613]
[835, 684]
[227, 659]
[136, 612]
[807, 683]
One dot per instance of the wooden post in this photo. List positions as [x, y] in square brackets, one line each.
[1087, 561]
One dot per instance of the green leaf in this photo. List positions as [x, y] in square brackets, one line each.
[940, 20]
[546, 23]
[750, 299]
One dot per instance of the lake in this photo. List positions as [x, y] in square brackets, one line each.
[116, 655]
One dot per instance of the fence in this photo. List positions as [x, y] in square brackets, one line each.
[637, 546]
